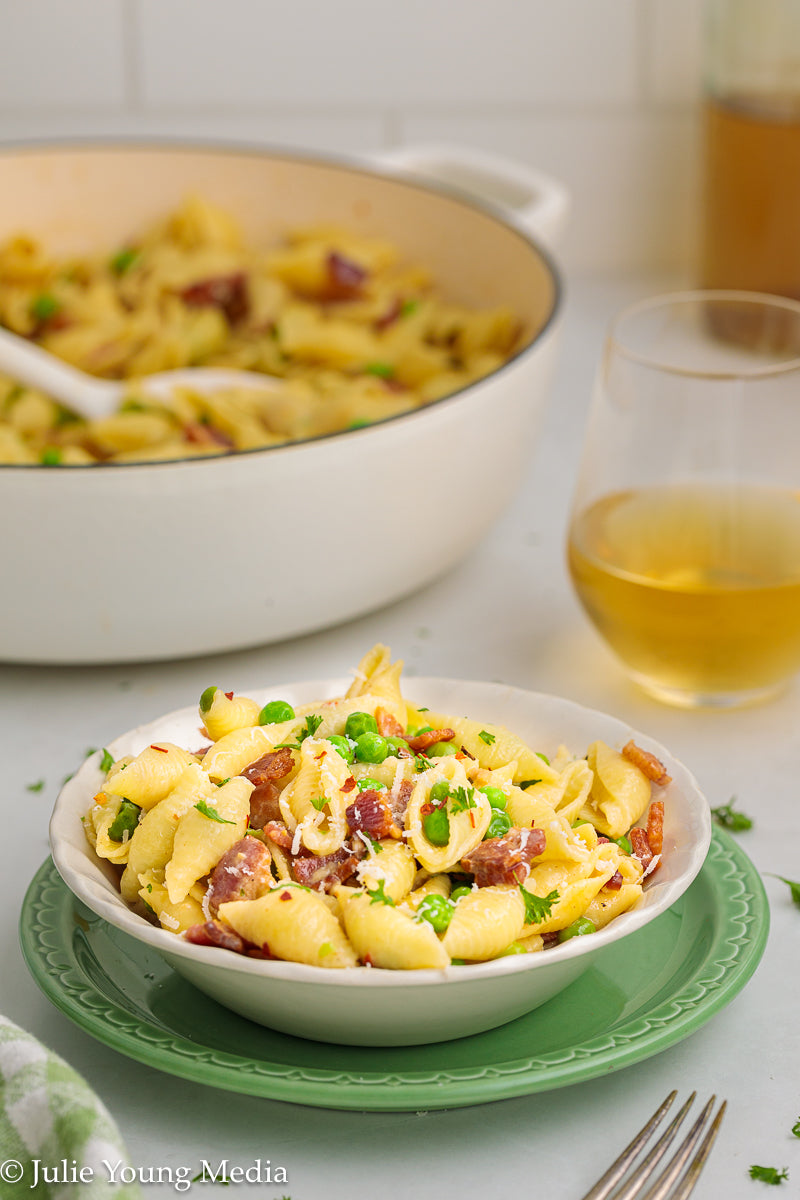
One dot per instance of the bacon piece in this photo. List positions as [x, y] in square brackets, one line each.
[264, 799]
[198, 434]
[615, 882]
[213, 933]
[241, 874]
[323, 871]
[641, 846]
[421, 741]
[388, 318]
[388, 724]
[647, 763]
[398, 801]
[655, 826]
[277, 832]
[225, 292]
[371, 812]
[345, 278]
[505, 859]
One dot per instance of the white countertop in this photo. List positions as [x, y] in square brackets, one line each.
[507, 613]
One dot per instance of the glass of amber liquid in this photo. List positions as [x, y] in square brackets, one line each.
[684, 538]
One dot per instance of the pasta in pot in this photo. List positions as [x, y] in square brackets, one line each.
[353, 334]
[365, 830]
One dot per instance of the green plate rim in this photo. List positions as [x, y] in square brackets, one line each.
[740, 936]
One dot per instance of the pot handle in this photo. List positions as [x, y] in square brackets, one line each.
[532, 199]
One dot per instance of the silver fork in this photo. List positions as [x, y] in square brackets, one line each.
[677, 1180]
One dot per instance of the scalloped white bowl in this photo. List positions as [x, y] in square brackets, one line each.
[369, 1006]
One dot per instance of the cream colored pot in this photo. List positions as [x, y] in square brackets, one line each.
[150, 561]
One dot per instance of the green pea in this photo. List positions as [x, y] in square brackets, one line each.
[436, 827]
[368, 784]
[496, 797]
[371, 748]
[125, 821]
[458, 894]
[439, 792]
[499, 824]
[624, 844]
[342, 746]
[358, 723]
[275, 712]
[207, 699]
[414, 730]
[437, 911]
[396, 743]
[577, 929]
[512, 948]
[441, 749]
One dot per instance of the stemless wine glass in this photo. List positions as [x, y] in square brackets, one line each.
[684, 539]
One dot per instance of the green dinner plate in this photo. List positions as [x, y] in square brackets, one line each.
[653, 989]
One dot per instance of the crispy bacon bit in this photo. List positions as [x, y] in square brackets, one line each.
[422, 741]
[212, 933]
[348, 784]
[655, 826]
[641, 846]
[323, 872]
[265, 797]
[550, 939]
[505, 859]
[241, 874]
[259, 952]
[615, 882]
[647, 763]
[345, 278]
[199, 434]
[371, 813]
[392, 314]
[277, 832]
[388, 724]
[398, 801]
[225, 292]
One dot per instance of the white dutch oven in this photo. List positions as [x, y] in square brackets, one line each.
[147, 561]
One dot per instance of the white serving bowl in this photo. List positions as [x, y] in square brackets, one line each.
[369, 1006]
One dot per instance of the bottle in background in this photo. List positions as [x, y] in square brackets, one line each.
[751, 207]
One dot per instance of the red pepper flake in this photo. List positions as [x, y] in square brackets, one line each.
[348, 784]
[472, 818]
[162, 749]
[286, 895]
[229, 695]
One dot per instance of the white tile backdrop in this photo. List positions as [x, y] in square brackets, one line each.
[601, 93]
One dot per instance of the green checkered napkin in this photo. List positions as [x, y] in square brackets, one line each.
[50, 1114]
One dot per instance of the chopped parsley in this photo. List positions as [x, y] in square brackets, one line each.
[222, 782]
[725, 816]
[325, 949]
[44, 306]
[374, 846]
[319, 802]
[107, 761]
[50, 456]
[793, 887]
[537, 907]
[124, 260]
[796, 1128]
[377, 895]
[408, 307]
[312, 724]
[35, 787]
[543, 757]
[381, 369]
[207, 698]
[487, 737]
[769, 1174]
[526, 783]
[462, 799]
[208, 810]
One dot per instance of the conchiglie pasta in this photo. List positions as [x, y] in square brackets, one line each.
[484, 922]
[151, 775]
[467, 825]
[497, 747]
[226, 713]
[394, 866]
[202, 839]
[619, 794]
[291, 923]
[386, 936]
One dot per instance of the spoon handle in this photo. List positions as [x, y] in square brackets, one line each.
[30, 364]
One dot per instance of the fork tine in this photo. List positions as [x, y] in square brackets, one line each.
[646, 1168]
[661, 1189]
[620, 1165]
[692, 1174]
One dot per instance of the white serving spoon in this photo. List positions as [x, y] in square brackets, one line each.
[95, 398]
